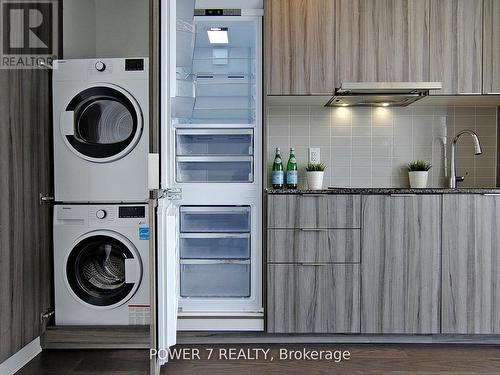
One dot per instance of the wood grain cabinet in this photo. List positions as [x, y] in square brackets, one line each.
[400, 264]
[471, 264]
[313, 271]
[456, 45]
[314, 245]
[491, 47]
[299, 46]
[314, 211]
[313, 298]
[381, 40]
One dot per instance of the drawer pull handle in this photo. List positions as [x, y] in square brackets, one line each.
[313, 229]
[313, 264]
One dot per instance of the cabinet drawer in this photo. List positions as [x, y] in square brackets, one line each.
[314, 211]
[313, 245]
[315, 298]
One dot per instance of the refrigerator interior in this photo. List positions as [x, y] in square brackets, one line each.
[215, 83]
[216, 145]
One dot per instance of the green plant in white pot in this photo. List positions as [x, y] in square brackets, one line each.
[315, 173]
[418, 172]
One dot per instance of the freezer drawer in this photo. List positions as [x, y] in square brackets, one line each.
[215, 246]
[215, 279]
[214, 169]
[210, 142]
[215, 219]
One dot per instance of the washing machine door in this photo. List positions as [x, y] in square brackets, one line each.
[103, 123]
[103, 270]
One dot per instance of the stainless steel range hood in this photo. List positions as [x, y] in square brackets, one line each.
[381, 94]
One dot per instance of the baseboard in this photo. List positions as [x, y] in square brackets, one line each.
[259, 338]
[220, 324]
[96, 337]
[13, 364]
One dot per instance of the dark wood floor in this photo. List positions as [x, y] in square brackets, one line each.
[365, 359]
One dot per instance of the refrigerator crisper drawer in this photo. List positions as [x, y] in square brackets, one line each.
[214, 169]
[210, 142]
[215, 279]
[216, 219]
[215, 246]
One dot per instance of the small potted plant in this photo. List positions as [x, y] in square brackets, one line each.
[418, 171]
[315, 173]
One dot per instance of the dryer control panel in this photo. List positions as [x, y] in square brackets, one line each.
[132, 212]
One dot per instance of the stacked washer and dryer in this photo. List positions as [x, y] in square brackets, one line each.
[101, 223]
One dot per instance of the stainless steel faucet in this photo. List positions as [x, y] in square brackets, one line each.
[477, 151]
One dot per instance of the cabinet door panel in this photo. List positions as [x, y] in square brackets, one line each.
[491, 40]
[325, 245]
[382, 40]
[313, 298]
[314, 211]
[400, 264]
[471, 260]
[299, 45]
[456, 45]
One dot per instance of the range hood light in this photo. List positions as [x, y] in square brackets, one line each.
[218, 35]
[385, 104]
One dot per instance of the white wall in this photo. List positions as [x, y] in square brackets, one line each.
[79, 28]
[105, 28]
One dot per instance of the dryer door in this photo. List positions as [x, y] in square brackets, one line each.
[103, 270]
[102, 123]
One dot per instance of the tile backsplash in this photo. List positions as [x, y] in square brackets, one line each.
[370, 147]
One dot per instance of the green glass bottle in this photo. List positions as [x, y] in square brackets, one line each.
[278, 173]
[292, 174]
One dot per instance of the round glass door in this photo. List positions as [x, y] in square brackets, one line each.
[95, 271]
[107, 124]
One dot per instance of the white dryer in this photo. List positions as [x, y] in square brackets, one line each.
[101, 131]
[101, 264]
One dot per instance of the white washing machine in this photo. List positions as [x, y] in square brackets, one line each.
[101, 131]
[101, 264]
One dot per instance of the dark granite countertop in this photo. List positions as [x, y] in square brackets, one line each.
[387, 191]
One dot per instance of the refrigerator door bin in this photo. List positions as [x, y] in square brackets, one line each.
[191, 169]
[215, 219]
[215, 279]
[209, 142]
[215, 246]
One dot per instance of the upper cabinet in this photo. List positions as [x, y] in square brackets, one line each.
[299, 46]
[381, 40]
[491, 48]
[314, 46]
[456, 45]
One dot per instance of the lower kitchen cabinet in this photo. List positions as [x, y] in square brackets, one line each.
[313, 298]
[471, 264]
[400, 264]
